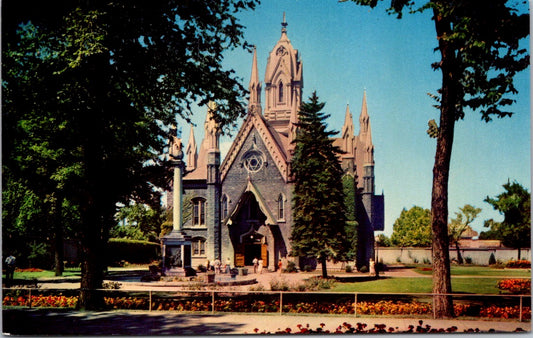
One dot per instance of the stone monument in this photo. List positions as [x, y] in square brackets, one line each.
[176, 246]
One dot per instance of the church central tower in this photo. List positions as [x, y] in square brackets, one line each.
[283, 84]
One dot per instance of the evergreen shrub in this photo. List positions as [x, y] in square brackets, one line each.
[492, 259]
[291, 267]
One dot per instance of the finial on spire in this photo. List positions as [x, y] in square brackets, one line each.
[284, 24]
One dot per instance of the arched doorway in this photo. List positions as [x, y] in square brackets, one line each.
[253, 245]
[250, 237]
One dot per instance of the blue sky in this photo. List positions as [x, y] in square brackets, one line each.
[346, 49]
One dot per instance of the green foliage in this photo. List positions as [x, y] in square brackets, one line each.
[127, 232]
[412, 228]
[351, 235]
[318, 200]
[481, 52]
[515, 204]
[349, 188]
[141, 222]
[291, 267]
[461, 223]
[384, 241]
[39, 256]
[88, 93]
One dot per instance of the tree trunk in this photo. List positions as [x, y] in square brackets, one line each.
[459, 257]
[59, 248]
[92, 267]
[441, 169]
[324, 269]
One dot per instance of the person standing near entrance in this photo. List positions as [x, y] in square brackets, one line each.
[280, 266]
[260, 266]
[255, 262]
[10, 269]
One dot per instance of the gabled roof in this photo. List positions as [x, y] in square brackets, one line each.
[250, 187]
[275, 143]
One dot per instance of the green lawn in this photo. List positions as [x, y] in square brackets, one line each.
[478, 271]
[44, 274]
[419, 285]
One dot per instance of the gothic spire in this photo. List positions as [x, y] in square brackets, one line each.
[191, 152]
[347, 134]
[254, 104]
[347, 128]
[364, 118]
[365, 133]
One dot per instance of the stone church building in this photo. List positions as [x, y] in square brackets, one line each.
[241, 206]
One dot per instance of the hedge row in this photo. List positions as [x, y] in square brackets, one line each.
[132, 251]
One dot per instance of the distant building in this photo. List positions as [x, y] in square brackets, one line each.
[242, 205]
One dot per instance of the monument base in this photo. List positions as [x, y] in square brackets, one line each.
[177, 255]
[175, 272]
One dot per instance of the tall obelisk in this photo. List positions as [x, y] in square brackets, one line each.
[177, 245]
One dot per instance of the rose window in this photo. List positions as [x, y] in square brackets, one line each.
[253, 161]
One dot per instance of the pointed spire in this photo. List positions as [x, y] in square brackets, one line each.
[254, 87]
[348, 136]
[365, 133]
[348, 122]
[284, 25]
[364, 118]
[191, 152]
[254, 78]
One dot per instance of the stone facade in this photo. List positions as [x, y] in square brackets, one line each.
[242, 205]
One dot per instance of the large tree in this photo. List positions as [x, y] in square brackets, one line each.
[318, 200]
[480, 53]
[515, 204]
[111, 77]
[412, 228]
[461, 224]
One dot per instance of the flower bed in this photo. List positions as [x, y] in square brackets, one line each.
[347, 328]
[42, 301]
[255, 306]
[518, 264]
[515, 286]
[28, 270]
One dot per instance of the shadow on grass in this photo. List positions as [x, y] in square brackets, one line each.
[45, 322]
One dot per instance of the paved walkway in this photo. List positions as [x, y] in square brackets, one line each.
[46, 322]
[132, 281]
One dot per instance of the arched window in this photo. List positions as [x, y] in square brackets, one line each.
[280, 92]
[198, 246]
[281, 207]
[198, 211]
[224, 206]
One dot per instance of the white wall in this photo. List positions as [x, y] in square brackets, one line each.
[423, 255]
